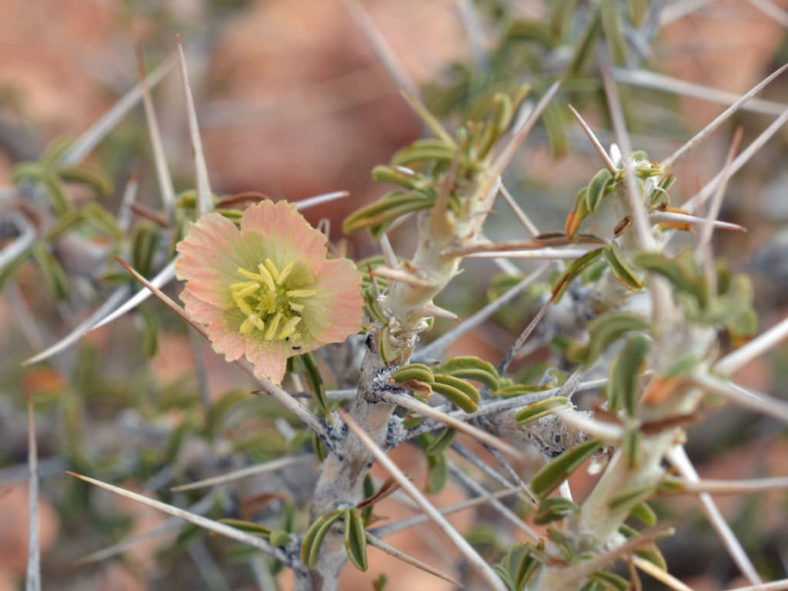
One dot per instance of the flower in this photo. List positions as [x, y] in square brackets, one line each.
[267, 291]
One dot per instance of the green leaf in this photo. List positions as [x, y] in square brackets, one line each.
[554, 473]
[625, 373]
[573, 271]
[439, 443]
[518, 390]
[597, 189]
[471, 368]
[585, 45]
[102, 220]
[384, 173]
[355, 539]
[605, 330]
[612, 26]
[379, 584]
[249, 527]
[424, 150]
[150, 332]
[637, 11]
[620, 268]
[90, 175]
[644, 514]
[413, 371]
[554, 509]
[631, 447]
[437, 473]
[458, 391]
[144, 244]
[516, 567]
[313, 539]
[554, 124]
[280, 537]
[54, 275]
[530, 30]
[55, 150]
[377, 216]
[540, 409]
[560, 11]
[631, 497]
[610, 581]
[315, 381]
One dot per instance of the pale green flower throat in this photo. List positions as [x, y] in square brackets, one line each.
[269, 306]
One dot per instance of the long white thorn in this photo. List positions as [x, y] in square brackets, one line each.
[408, 559]
[204, 195]
[652, 80]
[161, 279]
[609, 164]
[639, 215]
[678, 457]
[246, 472]
[753, 400]
[33, 582]
[91, 137]
[83, 328]
[198, 520]
[756, 347]
[160, 160]
[660, 575]
[771, 10]
[659, 217]
[707, 191]
[731, 487]
[320, 199]
[487, 573]
[518, 211]
[381, 47]
[668, 162]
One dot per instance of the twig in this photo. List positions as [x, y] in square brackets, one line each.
[459, 541]
[536, 253]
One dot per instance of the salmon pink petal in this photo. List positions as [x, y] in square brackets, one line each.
[286, 231]
[223, 338]
[268, 358]
[336, 309]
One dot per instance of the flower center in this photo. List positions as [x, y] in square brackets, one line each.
[269, 306]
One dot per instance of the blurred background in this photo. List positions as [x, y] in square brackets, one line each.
[292, 102]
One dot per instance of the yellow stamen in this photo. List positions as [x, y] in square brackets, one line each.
[271, 332]
[289, 327]
[263, 276]
[242, 305]
[244, 289]
[269, 280]
[286, 272]
[301, 293]
[274, 272]
[247, 325]
[296, 307]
